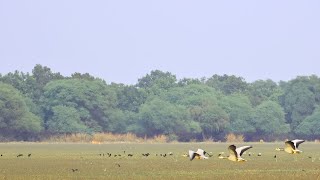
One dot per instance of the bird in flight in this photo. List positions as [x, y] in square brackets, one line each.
[199, 154]
[292, 146]
[235, 153]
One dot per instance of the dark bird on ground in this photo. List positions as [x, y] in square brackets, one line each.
[130, 155]
[210, 154]
[19, 155]
[1, 155]
[118, 164]
[275, 156]
[164, 155]
[74, 170]
[29, 155]
[145, 154]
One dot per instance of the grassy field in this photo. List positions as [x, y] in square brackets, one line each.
[56, 161]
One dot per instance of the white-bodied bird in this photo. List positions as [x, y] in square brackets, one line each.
[199, 154]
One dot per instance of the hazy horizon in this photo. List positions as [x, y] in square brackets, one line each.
[123, 41]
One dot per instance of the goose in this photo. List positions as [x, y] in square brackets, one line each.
[199, 154]
[235, 153]
[292, 146]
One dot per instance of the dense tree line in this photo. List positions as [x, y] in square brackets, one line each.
[44, 103]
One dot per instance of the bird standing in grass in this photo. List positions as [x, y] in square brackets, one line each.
[235, 153]
[19, 155]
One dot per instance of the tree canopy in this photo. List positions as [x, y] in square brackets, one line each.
[44, 102]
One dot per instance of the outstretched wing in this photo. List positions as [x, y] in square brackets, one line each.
[201, 152]
[241, 150]
[290, 144]
[192, 154]
[297, 142]
[232, 150]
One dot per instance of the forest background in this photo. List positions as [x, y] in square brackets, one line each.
[43, 104]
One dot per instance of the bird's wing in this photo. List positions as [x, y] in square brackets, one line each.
[201, 152]
[241, 150]
[192, 154]
[290, 144]
[232, 150]
[297, 142]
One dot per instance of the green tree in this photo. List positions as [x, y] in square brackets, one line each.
[130, 98]
[212, 118]
[15, 118]
[65, 120]
[261, 90]
[310, 127]
[161, 117]
[227, 84]
[93, 100]
[240, 112]
[157, 81]
[202, 104]
[269, 120]
[298, 101]
[189, 81]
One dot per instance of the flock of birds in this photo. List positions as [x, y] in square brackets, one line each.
[235, 153]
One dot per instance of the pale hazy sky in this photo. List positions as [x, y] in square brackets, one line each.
[123, 40]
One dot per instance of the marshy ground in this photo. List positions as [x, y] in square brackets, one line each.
[93, 161]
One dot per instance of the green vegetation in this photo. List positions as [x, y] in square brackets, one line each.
[56, 161]
[43, 104]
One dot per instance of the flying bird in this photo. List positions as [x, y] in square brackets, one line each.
[199, 154]
[292, 146]
[235, 153]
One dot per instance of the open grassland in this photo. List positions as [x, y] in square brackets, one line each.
[56, 161]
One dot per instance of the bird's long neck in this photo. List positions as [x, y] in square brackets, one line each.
[296, 151]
